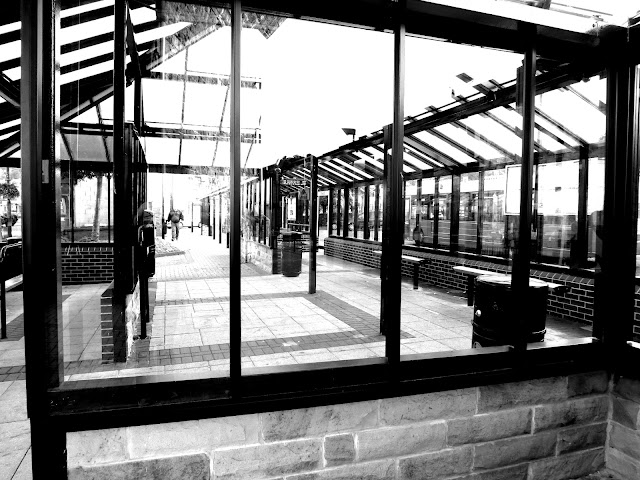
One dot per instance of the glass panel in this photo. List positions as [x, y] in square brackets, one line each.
[360, 215]
[11, 217]
[493, 213]
[410, 206]
[371, 192]
[323, 216]
[381, 198]
[350, 212]
[340, 216]
[297, 109]
[557, 212]
[180, 215]
[576, 16]
[428, 209]
[468, 213]
[444, 211]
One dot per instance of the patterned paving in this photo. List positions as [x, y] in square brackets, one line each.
[281, 323]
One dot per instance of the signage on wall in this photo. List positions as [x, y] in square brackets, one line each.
[293, 182]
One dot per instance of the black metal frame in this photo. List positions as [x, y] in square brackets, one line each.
[56, 407]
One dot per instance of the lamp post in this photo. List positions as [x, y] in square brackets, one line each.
[350, 131]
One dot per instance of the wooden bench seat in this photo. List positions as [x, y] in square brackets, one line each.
[415, 261]
[473, 273]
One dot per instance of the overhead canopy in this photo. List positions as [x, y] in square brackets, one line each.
[172, 44]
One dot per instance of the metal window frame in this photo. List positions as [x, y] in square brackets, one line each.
[56, 408]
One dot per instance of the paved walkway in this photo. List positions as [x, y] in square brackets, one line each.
[282, 324]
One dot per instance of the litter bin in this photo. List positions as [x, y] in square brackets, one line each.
[291, 254]
[494, 311]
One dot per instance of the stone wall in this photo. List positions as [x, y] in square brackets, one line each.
[623, 447]
[118, 327]
[88, 263]
[261, 255]
[547, 429]
[576, 304]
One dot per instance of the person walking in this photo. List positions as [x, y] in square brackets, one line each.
[175, 217]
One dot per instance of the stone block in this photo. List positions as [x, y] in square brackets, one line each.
[628, 388]
[588, 383]
[568, 466]
[510, 451]
[380, 470]
[622, 464]
[436, 465]
[192, 436]
[430, 406]
[531, 392]
[193, 467]
[93, 447]
[626, 412]
[625, 440]
[582, 438]
[401, 441]
[516, 472]
[339, 449]
[489, 426]
[572, 412]
[267, 460]
[318, 421]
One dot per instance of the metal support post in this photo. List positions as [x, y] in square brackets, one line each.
[616, 226]
[521, 266]
[394, 183]
[313, 227]
[42, 285]
[234, 245]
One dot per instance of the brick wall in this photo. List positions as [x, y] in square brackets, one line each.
[548, 429]
[576, 304]
[87, 264]
[623, 447]
[106, 324]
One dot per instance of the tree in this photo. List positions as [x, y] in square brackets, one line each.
[9, 191]
[87, 175]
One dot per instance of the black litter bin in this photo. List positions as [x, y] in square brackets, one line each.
[291, 254]
[495, 312]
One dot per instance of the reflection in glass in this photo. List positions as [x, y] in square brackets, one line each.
[493, 218]
[444, 210]
[557, 210]
[410, 209]
[468, 212]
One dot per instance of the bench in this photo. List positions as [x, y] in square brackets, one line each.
[473, 273]
[415, 261]
[10, 278]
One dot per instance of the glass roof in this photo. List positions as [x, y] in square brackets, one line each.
[574, 15]
[187, 113]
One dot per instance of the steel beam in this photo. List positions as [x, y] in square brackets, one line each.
[521, 260]
[235, 319]
[40, 233]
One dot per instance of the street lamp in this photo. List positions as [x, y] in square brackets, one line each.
[350, 131]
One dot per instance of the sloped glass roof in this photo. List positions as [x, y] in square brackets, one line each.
[573, 15]
[185, 93]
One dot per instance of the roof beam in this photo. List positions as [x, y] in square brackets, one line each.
[428, 151]
[467, 151]
[9, 91]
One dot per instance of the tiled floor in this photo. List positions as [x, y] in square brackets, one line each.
[281, 322]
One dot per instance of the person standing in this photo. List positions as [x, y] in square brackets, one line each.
[175, 217]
